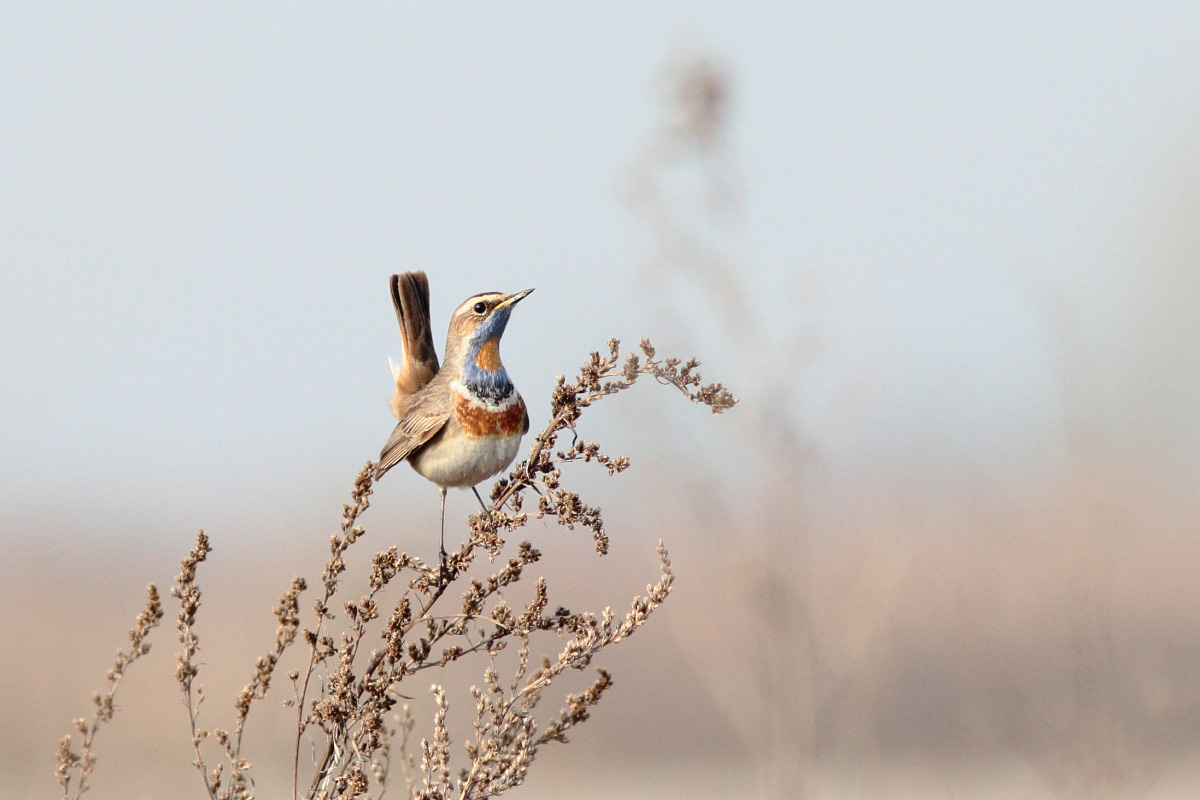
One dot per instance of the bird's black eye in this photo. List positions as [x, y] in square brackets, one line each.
[479, 308]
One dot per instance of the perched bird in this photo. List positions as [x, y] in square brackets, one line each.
[461, 423]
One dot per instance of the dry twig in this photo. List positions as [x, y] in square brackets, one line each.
[68, 762]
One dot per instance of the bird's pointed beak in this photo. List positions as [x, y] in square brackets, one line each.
[513, 299]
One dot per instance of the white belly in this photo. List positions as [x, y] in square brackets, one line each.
[461, 461]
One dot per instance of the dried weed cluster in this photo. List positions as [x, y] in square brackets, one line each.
[71, 764]
[346, 692]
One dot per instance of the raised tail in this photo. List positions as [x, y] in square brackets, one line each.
[418, 360]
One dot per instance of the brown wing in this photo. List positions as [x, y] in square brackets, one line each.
[427, 411]
[418, 361]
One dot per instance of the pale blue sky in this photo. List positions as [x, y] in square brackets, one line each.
[200, 205]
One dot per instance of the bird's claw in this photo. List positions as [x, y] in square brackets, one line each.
[443, 568]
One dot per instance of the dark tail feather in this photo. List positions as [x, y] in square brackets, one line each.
[410, 296]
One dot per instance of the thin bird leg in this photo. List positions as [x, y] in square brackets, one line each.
[442, 492]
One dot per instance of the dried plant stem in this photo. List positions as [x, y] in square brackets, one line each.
[372, 666]
[84, 762]
[187, 593]
[287, 612]
[321, 648]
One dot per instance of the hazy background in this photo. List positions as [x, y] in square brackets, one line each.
[947, 255]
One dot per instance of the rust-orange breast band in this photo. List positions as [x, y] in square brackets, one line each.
[478, 422]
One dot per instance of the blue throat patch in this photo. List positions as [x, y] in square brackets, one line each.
[492, 386]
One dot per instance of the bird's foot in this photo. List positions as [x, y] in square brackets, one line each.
[443, 568]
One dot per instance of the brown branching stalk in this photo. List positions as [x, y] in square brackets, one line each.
[80, 764]
[288, 614]
[187, 593]
[350, 682]
[238, 785]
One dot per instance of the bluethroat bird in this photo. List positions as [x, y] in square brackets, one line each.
[461, 423]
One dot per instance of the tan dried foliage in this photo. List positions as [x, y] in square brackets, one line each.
[347, 696]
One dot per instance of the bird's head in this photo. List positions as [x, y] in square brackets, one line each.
[476, 327]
